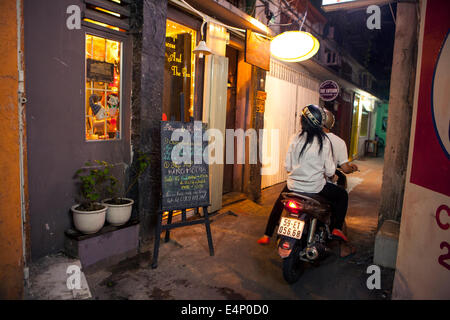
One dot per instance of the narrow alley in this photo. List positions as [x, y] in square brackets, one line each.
[243, 269]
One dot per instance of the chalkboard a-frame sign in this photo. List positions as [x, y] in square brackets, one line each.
[186, 184]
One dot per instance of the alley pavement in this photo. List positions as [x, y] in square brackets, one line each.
[243, 269]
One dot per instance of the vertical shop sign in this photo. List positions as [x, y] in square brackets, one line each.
[260, 101]
[431, 160]
[257, 50]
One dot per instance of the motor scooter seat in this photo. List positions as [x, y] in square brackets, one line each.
[315, 205]
[314, 196]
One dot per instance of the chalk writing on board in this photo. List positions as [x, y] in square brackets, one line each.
[186, 184]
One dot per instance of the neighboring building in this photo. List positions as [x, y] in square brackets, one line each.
[13, 186]
[290, 86]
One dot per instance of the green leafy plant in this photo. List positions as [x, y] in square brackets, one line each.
[93, 179]
[141, 163]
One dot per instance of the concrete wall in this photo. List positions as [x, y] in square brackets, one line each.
[382, 112]
[11, 252]
[55, 82]
[423, 258]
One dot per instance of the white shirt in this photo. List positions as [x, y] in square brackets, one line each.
[307, 173]
[339, 149]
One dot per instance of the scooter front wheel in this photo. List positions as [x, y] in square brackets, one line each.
[293, 267]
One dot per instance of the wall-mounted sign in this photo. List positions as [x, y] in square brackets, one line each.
[99, 71]
[260, 101]
[328, 90]
[431, 156]
[257, 50]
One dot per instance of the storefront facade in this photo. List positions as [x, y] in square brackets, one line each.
[99, 92]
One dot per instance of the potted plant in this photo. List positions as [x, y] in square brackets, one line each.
[119, 207]
[89, 215]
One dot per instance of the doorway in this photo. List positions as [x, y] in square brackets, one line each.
[355, 128]
[232, 55]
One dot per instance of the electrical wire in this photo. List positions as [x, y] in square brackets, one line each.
[392, 13]
[304, 17]
[207, 19]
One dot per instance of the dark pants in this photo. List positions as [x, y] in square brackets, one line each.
[337, 196]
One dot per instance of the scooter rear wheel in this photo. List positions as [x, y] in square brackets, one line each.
[293, 267]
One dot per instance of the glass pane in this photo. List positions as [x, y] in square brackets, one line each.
[112, 51]
[88, 46]
[98, 48]
[103, 64]
[178, 98]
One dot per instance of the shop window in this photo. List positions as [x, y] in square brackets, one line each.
[103, 105]
[178, 97]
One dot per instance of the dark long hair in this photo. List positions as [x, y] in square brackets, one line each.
[311, 132]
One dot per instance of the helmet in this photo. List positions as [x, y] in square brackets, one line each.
[329, 119]
[314, 114]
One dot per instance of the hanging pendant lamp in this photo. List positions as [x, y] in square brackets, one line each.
[202, 49]
[294, 46]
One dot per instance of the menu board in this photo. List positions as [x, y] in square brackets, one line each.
[184, 185]
[99, 70]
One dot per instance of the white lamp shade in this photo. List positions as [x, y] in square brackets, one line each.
[294, 46]
[202, 49]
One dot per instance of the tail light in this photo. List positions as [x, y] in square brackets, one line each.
[293, 207]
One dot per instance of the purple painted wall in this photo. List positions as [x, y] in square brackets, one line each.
[55, 75]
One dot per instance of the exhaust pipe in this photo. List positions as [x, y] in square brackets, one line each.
[312, 253]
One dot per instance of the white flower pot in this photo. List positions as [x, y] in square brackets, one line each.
[88, 222]
[118, 214]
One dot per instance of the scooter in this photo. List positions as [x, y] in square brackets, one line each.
[304, 231]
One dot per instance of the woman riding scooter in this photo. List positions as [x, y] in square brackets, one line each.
[309, 161]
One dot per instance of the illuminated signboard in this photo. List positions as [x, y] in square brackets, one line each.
[331, 5]
[327, 2]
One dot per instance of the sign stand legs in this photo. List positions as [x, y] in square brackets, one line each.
[208, 231]
[159, 228]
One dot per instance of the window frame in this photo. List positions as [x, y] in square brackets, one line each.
[193, 22]
[123, 41]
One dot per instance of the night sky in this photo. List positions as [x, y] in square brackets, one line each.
[372, 48]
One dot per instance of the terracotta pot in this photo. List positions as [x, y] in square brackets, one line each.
[118, 214]
[88, 222]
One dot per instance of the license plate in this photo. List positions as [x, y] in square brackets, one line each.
[291, 228]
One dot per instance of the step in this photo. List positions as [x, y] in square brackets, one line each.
[386, 243]
[107, 247]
